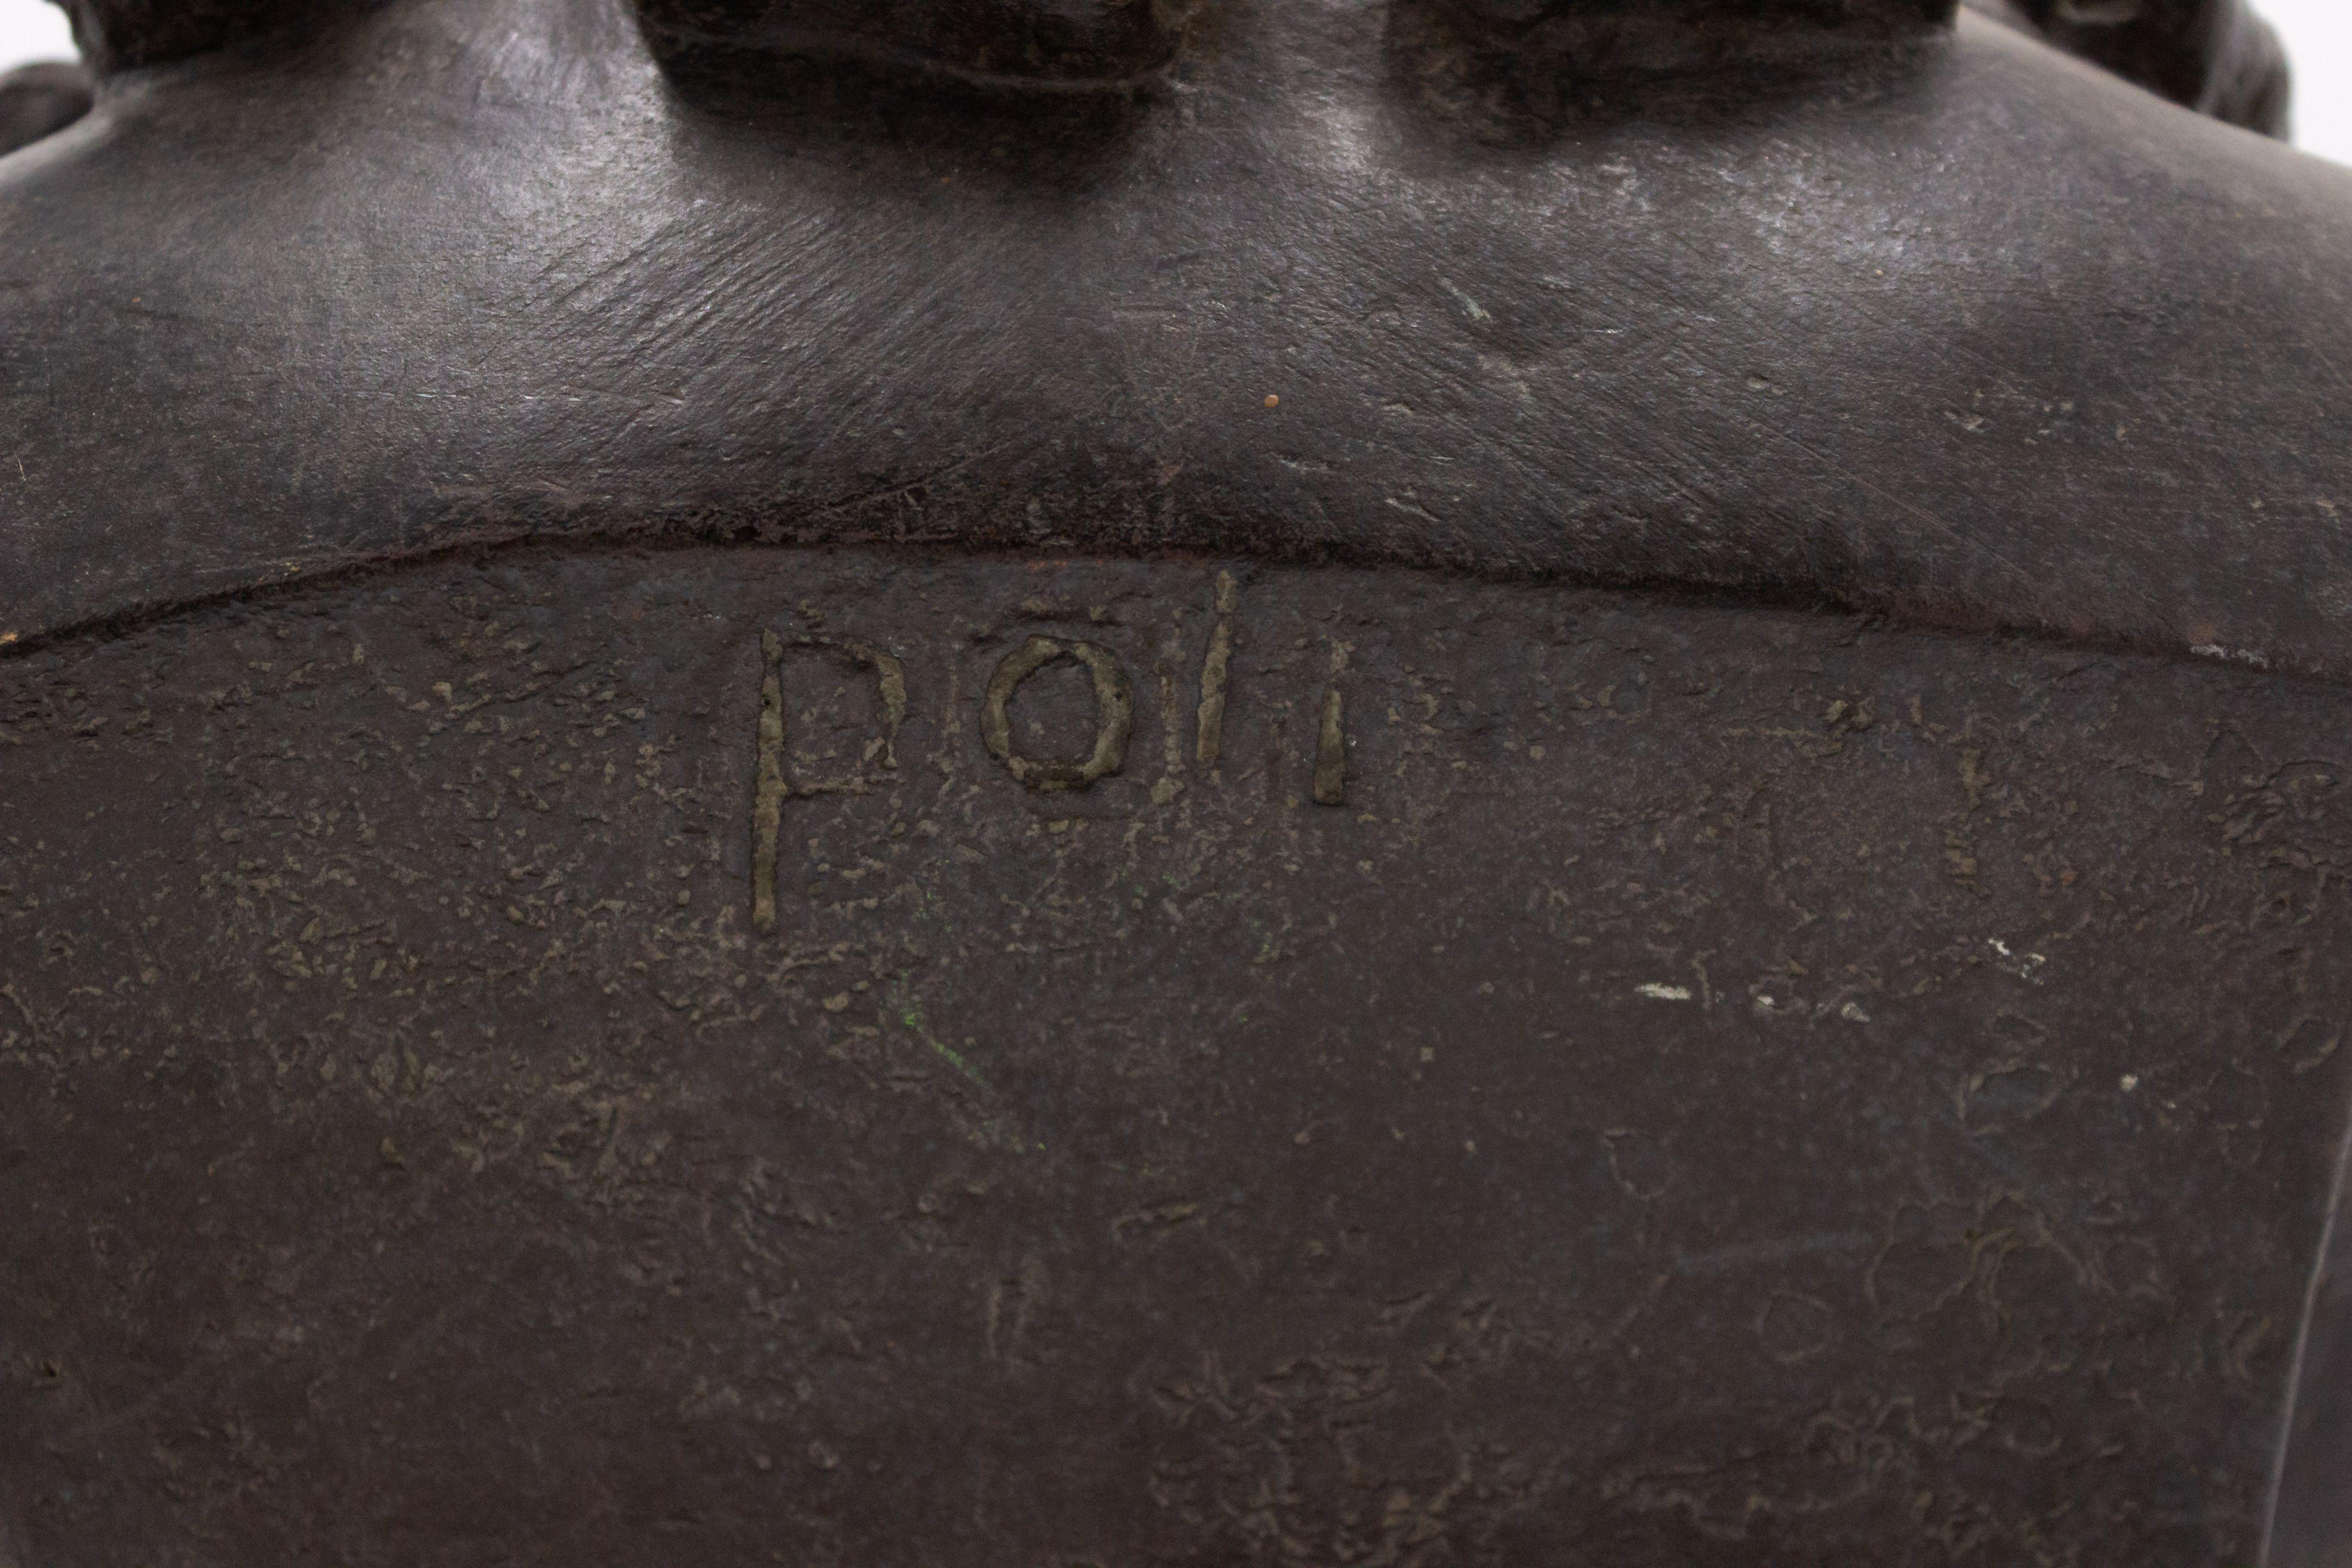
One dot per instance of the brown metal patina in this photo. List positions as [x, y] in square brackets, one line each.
[1049, 784]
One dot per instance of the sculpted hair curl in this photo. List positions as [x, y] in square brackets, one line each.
[118, 34]
[2214, 56]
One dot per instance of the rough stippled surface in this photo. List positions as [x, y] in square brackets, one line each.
[1406, 797]
[1719, 1086]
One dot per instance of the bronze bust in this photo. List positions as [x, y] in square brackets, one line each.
[1117, 781]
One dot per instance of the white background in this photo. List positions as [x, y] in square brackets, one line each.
[2318, 33]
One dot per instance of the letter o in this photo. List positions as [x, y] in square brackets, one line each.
[1114, 714]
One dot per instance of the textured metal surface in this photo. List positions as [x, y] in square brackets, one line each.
[2311, 1519]
[1986, 340]
[124, 35]
[2217, 56]
[797, 813]
[1726, 1085]
[39, 100]
[1041, 42]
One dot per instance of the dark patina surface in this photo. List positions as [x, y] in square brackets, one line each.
[41, 99]
[1471, 784]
